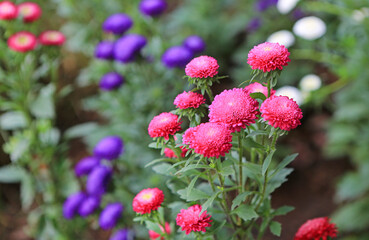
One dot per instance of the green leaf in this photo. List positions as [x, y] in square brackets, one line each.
[209, 202]
[43, 106]
[250, 143]
[195, 195]
[190, 186]
[246, 212]
[239, 199]
[12, 120]
[158, 161]
[267, 162]
[287, 160]
[258, 95]
[275, 228]
[164, 169]
[81, 130]
[11, 174]
[27, 191]
[153, 226]
[154, 145]
[192, 166]
[283, 210]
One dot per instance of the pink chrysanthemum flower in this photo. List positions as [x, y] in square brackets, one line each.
[191, 220]
[202, 67]
[51, 38]
[316, 229]
[148, 200]
[268, 57]
[209, 139]
[189, 100]
[163, 125]
[235, 108]
[282, 112]
[169, 153]
[257, 87]
[22, 41]
[154, 235]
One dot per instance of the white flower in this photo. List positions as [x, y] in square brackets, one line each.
[358, 15]
[309, 28]
[282, 37]
[310, 83]
[285, 6]
[290, 92]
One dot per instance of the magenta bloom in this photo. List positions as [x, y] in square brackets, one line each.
[191, 220]
[202, 67]
[152, 7]
[163, 125]
[257, 87]
[317, 229]
[235, 108]
[51, 38]
[29, 11]
[282, 112]
[149, 199]
[209, 139]
[22, 41]
[169, 153]
[8, 10]
[268, 57]
[189, 100]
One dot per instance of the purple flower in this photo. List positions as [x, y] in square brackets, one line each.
[177, 56]
[72, 203]
[88, 205]
[110, 215]
[104, 50]
[298, 13]
[122, 234]
[85, 165]
[110, 147]
[128, 46]
[111, 81]
[194, 43]
[263, 5]
[152, 7]
[97, 180]
[254, 25]
[117, 23]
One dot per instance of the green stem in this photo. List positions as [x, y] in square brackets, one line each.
[241, 184]
[210, 93]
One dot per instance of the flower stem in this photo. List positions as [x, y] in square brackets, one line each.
[240, 162]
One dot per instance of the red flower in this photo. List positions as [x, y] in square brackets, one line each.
[268, 57]
[153, 235]
[30, 11]
[22, 41]
[8, 10]
[235, 108]
[316, 229]
[202, 67]
[51, 38]
[163, 125]
[257, 87]
[170, 153]
[209, 139]
[282, 112]
[148, 200]
[191, 220]
[189, 100]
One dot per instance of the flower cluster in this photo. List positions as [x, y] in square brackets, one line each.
[317, 229]
[164, 125]
[98, 174]
[25, 41]
[148, 200]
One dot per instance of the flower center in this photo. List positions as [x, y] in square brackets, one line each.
[266, 49]
[52, 36]
[25, 11]
[22, 40]
[147, 196]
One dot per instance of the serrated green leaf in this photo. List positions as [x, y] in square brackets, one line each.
[164, 168]
[246, 212]
[267, 162]
[209, 202]
[239, 199]
[190, 186]
[275, 228]
[287, 160]
[195, 195]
